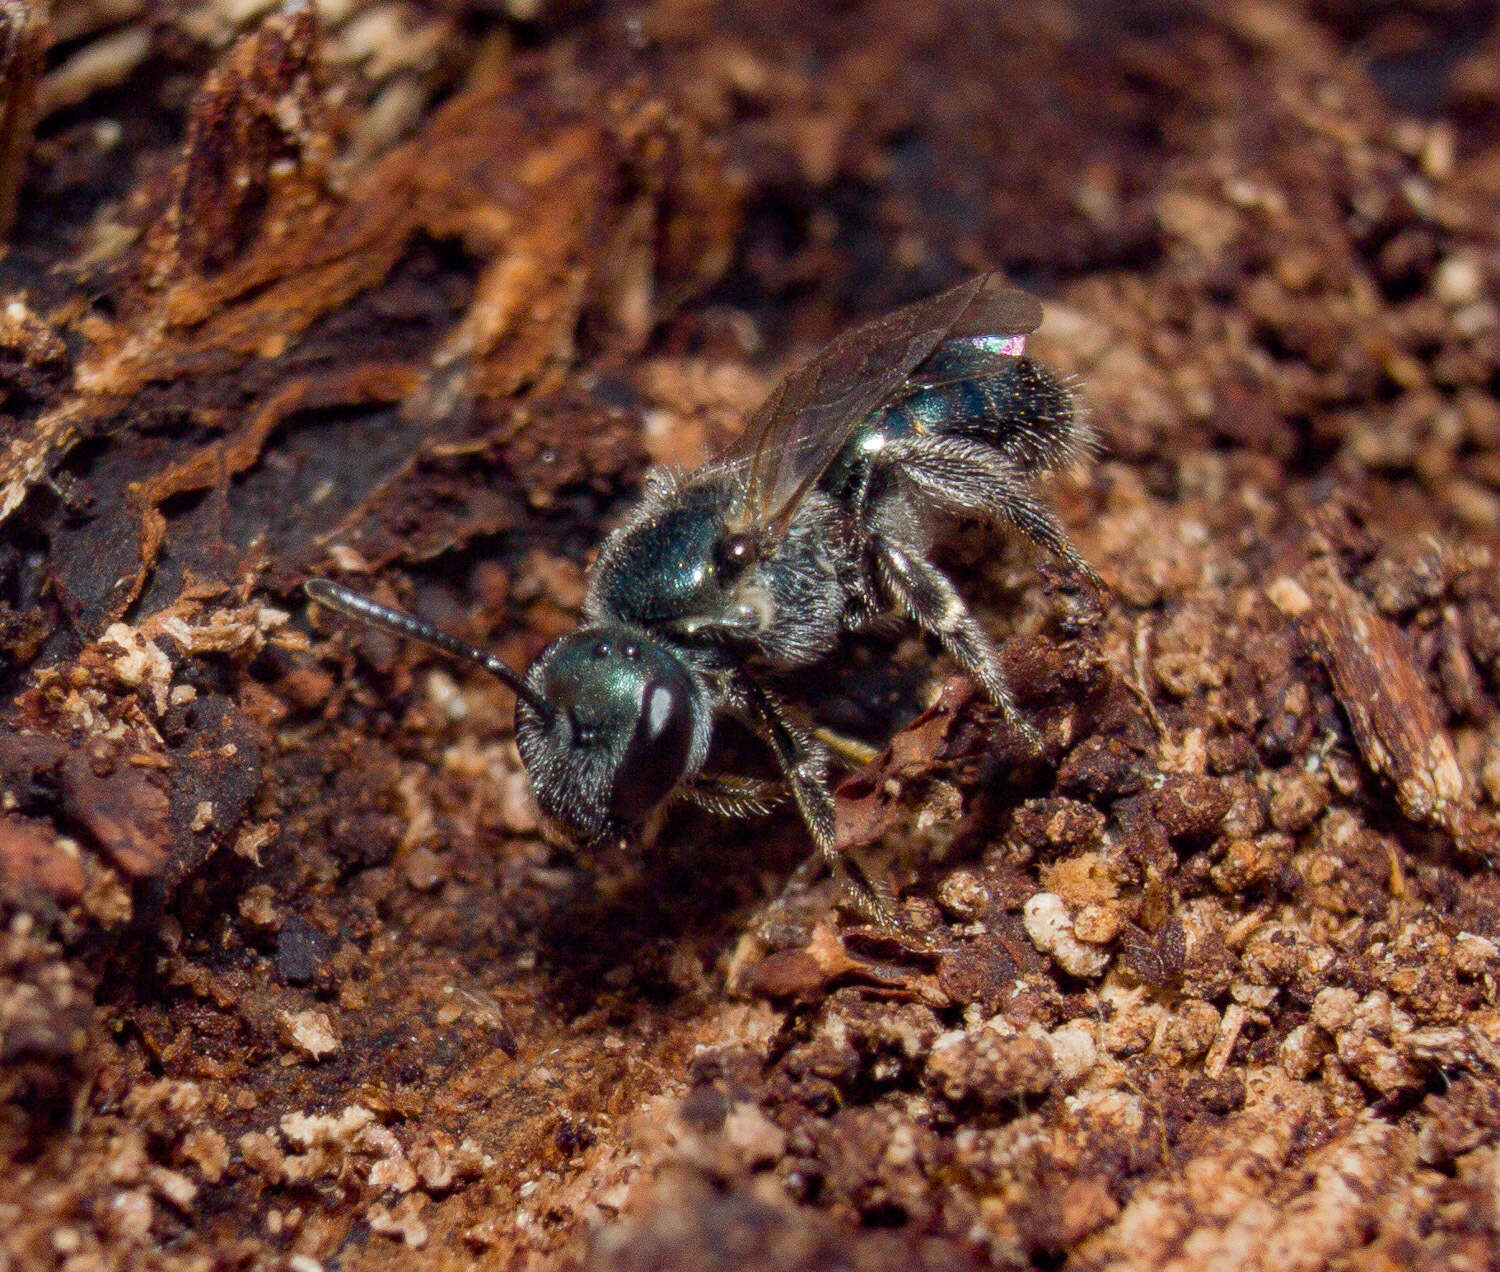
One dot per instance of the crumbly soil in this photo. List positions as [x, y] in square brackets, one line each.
[412, 294]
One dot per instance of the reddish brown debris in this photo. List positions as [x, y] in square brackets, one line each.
[123, 808]
[33, 855]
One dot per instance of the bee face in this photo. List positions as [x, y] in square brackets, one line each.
[628, 723]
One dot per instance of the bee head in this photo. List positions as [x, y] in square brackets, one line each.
[608, 721]
[626, 723]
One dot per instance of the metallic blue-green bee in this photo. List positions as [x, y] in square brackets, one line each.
[819, 521]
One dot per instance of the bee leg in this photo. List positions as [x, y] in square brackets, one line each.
[728, 795]
[1017, 505]
[804, 761]
[972, 479]
[924, 591]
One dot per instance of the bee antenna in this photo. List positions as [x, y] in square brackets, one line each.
[362, 609]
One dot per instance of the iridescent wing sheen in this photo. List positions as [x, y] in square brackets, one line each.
[810, 416]
[974, 358]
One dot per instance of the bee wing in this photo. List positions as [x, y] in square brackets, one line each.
[974, 358]
[810, 416]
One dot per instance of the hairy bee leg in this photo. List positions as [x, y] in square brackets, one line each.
[850, 878]
[729, 795]
[1039, 523]
[802, 878]
[800, 758]
[974, 479]
[805, 763]
[924, 591]
[873, 900]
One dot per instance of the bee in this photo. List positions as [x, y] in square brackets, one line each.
[819, 521]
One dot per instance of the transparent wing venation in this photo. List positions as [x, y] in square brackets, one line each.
[810, 416]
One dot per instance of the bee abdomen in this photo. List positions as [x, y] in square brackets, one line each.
[1023, 410]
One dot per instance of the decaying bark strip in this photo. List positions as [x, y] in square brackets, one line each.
[24, 36]
[1391, 711]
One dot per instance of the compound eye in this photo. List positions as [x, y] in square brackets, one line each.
[656, 757]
